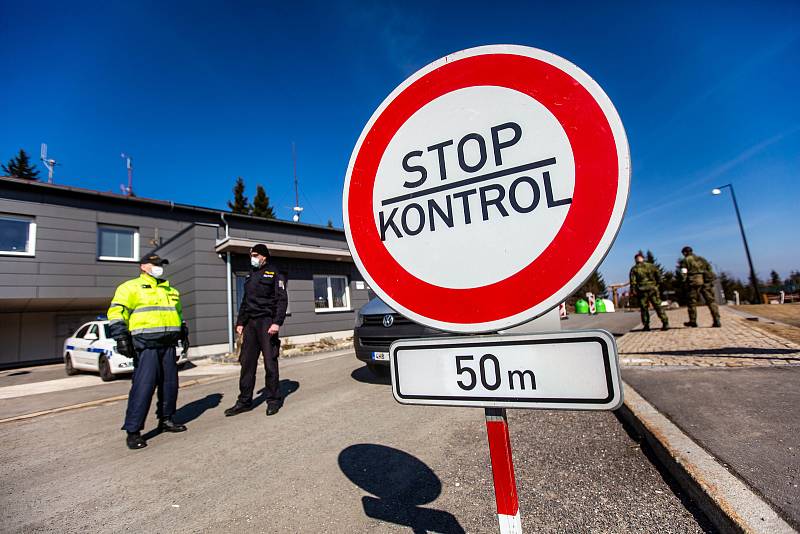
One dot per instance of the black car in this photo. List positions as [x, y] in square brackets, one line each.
[377, 325]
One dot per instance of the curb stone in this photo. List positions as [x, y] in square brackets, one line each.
[727, 501]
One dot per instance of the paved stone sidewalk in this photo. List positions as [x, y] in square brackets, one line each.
[736, 344]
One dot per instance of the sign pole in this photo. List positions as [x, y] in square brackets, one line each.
[505, 485]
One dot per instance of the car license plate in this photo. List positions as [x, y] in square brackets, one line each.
[382, 356]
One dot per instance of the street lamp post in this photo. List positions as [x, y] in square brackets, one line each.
[753, 279]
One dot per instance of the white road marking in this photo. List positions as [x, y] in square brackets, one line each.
[50, 386]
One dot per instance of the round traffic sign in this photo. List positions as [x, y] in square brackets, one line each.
[486, 188]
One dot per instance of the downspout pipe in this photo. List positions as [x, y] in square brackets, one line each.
[228, 288]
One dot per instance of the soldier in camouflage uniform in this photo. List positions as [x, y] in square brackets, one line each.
[699, 278]
[645, 279]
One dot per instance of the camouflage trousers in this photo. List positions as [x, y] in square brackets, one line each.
[647, 297]
[693, 295]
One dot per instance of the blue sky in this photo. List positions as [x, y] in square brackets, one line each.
[202, 92]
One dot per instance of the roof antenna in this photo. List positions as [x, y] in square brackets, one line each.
[297, 209]
[128, 163]
[48, 163]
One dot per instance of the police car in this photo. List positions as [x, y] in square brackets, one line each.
[92, 349]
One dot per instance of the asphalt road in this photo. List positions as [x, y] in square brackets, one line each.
[748, 417]
[341, 456]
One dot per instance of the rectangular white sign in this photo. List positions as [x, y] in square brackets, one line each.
[577, 370]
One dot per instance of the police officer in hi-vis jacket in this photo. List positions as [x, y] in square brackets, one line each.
[146, 321]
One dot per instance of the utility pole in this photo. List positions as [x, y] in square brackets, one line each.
[129, 164]
[49, 164]
[753, 278]
[297, 209]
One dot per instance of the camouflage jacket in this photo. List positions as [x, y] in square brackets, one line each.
[645, 276]
[696, 270]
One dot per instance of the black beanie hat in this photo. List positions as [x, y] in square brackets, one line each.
[261, 248]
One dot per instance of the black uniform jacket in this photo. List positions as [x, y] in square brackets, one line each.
[264, 296]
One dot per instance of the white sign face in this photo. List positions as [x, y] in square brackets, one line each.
[486, 188]
[487, 146]
[566, 370]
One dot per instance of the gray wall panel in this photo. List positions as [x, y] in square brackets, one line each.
[210, 337]
[65, 235]
[9, 337]
[44, 222]
[16, 292]
[50, 245]
[75, 292]
[17, 267]
[18, 279]
[37, 338]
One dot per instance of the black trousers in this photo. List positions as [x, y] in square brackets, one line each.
[155, 369]
[257, 340]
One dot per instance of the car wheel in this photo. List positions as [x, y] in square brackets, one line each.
[381, 371]
[105, 370]
[71, 371]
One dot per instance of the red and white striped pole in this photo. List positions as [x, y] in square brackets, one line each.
[505, 486]
[592, 304]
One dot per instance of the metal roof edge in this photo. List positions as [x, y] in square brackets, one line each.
[58, 188]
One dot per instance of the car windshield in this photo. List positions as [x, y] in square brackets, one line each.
[106, 330]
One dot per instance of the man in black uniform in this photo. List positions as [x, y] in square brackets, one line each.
[261, 315]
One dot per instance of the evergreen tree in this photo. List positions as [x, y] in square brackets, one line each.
[731, 284]
[239, 204]
[679, 286]
[261, 207]
[20, 167]
[595, 284]
[775, 279]
[792, 283]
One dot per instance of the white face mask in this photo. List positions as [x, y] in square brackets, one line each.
[255, 262]
[157, 271]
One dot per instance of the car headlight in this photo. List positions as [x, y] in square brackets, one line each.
[359, 320]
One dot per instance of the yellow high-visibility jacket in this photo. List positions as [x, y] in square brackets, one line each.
[148, 308]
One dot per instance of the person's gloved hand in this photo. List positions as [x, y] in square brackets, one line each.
[185, 339]
[125, 346]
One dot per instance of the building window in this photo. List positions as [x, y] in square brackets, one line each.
[331, 293]
[17, 235]
[117, 243]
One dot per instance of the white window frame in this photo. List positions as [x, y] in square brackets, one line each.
[31, 235]
[329, 309]
[134, 258]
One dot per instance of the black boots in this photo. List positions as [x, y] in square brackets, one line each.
[273, 407]
[236, 409]
[168, 425]
[135, 441]
[690, 324]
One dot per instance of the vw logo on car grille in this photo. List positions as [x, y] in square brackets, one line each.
[388, 320]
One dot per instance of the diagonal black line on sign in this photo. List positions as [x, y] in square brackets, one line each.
[470, 181]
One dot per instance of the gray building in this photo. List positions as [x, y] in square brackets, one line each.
[63, 251]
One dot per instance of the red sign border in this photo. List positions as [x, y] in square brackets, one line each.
[601, 164]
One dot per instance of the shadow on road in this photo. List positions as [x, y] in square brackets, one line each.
[190, 412]
[401, 483]
[287, 388]
[363, 374]
[193, 410]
